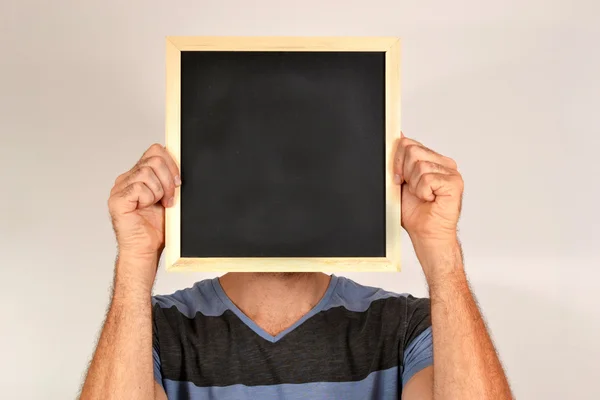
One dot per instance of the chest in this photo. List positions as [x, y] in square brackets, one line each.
[329, 347]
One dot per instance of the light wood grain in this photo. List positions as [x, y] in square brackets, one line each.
[392, 133]
[391, 47]
[173, 135]
[281, 264]
[225, 43]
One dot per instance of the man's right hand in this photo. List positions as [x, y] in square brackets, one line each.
[137, 207]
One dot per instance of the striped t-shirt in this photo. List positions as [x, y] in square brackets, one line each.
[358, 342]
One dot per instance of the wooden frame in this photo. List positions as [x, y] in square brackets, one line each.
[391, 47]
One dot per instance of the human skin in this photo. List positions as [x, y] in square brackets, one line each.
[466, 365]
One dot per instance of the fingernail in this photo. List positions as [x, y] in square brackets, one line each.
[170, 202]
[177, 180]
[397, 179]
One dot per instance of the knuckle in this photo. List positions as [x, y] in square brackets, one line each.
[422, 166]
[145, 172]
[135, 187]
[133, 171]
[156, 147]
[406, 142]
[413, 151]
[149, 178]
[452, 163]
[429, 178]
[142, 161]
[410, 148]
[155, 161]
[120, 178]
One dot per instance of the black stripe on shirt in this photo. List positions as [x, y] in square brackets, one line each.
[335, 345]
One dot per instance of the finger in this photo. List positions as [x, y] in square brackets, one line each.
[147, 175]
[160, 151]
[423, 167]
[119, 181]
[413, 153]
[399, 156]
[156, 150]
[155, 173]
[144, 174]
[167, 180]
[132, 197]
[432, 185]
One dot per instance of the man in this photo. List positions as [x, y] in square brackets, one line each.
[297, 335]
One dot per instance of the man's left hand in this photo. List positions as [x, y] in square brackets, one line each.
[432, 191]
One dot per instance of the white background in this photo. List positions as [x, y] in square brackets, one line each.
[510, 89]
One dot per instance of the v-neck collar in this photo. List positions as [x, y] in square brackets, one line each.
[257, 329]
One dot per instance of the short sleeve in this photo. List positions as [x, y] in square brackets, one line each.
[417, 351]
[418, 355]
[156, 351]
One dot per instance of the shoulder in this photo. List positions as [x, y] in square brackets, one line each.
[199, 298]
[401, 312]
[356, 297]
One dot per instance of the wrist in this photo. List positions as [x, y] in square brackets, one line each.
[440, 258]
[136, 255]
[134, 275]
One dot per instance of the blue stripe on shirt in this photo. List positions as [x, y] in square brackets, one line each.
[380, 385]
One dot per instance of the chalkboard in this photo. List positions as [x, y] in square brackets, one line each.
[283, 156]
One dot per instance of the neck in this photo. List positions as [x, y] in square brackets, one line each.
[275, 300]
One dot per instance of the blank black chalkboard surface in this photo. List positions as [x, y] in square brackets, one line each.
[285, 149]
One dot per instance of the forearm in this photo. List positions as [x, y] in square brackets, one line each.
[466, 365]
[122, 363]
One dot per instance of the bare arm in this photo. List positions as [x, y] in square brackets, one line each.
[122, 366]
[420, 386]
[466, 365]
[122, 362]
